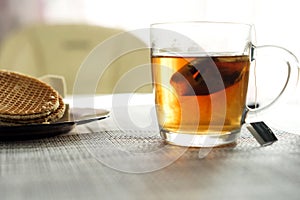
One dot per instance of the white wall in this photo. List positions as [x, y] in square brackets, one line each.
[276, 21]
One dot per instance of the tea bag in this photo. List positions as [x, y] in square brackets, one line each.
[262, 133]
[202, 76]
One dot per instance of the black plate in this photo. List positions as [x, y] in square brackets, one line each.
[66, 124]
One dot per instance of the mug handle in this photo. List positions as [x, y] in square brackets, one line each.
[292, 79]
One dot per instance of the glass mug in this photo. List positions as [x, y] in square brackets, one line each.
[200, 73]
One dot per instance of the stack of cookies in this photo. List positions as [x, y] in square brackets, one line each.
[27, 100]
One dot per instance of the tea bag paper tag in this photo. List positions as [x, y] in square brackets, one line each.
[262, 133]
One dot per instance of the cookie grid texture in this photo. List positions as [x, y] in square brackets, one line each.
[24, 99]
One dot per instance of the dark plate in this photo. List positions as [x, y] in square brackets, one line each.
[66, 124]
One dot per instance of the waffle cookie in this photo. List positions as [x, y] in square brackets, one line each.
[27, 100]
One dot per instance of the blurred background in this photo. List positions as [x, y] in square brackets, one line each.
[275, 22]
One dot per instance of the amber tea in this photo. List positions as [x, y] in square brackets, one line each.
[198, 80]
[200, 73]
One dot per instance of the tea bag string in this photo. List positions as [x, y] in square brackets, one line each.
[255, 88]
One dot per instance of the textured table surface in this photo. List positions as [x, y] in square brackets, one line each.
[104, 160]
[132, 164]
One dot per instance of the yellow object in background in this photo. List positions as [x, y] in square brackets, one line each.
[39, 50]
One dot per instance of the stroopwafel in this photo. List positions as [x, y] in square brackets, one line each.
[27, 100]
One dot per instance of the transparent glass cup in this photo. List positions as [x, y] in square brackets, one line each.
[200, 73]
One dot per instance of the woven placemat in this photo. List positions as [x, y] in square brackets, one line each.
[130, 164]
[127, 146]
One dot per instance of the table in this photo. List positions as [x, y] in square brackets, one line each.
[116, 159]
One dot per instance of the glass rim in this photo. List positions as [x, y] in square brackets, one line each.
[201, 22]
